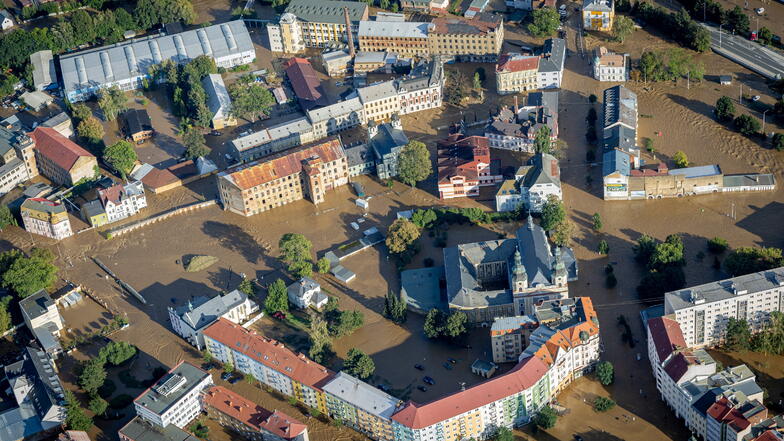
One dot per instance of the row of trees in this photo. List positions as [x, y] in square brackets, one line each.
[678, 24]
[745, 124]
[555, 222]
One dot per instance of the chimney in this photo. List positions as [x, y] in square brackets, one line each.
[349, 34]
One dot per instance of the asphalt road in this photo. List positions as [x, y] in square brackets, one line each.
[756, 57]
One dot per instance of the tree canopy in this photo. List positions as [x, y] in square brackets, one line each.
[414, 163]
[112, 102]
[75, 418]
[27, 275]
[747, 260]
[605, 373]
[90, 129]
[93, 375]
[725, 109]
[622, 27]
[546, 418]
[440, 324]
[117, 352]
[544, 22]
[680, 159]
[6, 217]
[553, 213]
[250, 100]
[747, 125]
[542, 141]
[154, 12]
[296, 252]
[121, 156]
[195, 144]
[401, 236]
[277, 298]
[359, 364]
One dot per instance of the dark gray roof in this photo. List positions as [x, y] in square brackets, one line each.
[553, 56]
[616, 161]
[359, 154]
[388, 140]
[724, 289]
[173, 386]
[620, 137]
[542, 171]
[547, 98]
[132, 58]
[749, 180]
[140, 430]
[620, 106]
[423, 75]
[326, 11]
[137, 120]
[707, 400]
[35, 373]
[37, 304]
[206, 311]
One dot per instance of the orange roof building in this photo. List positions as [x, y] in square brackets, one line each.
[269, 361]
[249, 419]
[60, 159]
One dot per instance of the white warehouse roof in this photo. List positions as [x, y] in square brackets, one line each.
[129, 59]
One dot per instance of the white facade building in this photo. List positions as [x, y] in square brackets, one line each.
[6, 20]
[609, 66]
[532, 186]
[121, 201]
[306, 292]
[175, 398]
[189, 321]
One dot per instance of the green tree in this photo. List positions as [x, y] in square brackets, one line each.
[200, 430]
[597, 221]
[603, 404]
[747, 125]
[249, 100]
[561, 235]
[93, 375]
[98, 405]
[748, 260]
[605, 373]
[668, 253]
[646, 245]
[149, 13]
[622, 27]
[359, 364]
[80, 112]
[228, 367]
[195, 144]
[5, 315]
[28, 275]
[117, 352]
[112, 102]
[424, 218]
[477, 82]
[75, 418]
[247, 287]
[343, 323]
[435, 321]
[91, 129]
[738, 335]
[455, 324]
[295, 247]
[778, 141]
[121, 156]
[680, 159]
[414, 163]
[401, 236]
[323, 265]
[725, 109]
[546, 418]
[603, 247]
[737, 20]
[395, 308]
[717, 245]
[503, 434]
[553, 213]
[277, 298]
[6, 217]
[765, 35]
[542, 141]
[544, 22]
[320, 340]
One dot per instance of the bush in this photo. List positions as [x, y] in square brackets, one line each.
[603, 404]
[747, 125]
[603, 247]
[717, 245]
[546, 418]
[605, 373]
[778, 141]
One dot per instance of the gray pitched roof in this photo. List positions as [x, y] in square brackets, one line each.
[359, 154]
[598, 5]
[128, 59]
[218, 99]
[326, 11]
[620, 106]
[377, 91]
[387, 140]
[210, 310]
[553, 56]
[362, 395]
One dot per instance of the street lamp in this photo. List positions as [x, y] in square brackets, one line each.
[720, 25]
[763, 121]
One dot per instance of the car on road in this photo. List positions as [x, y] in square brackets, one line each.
[422, 388]
[225, 376]
[235, 379]
[451, 360]
[419, 367]
[429, 380]
[383, 387]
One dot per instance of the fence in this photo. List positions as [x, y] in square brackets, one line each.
[135, 226]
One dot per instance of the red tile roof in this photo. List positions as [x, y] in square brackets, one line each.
[113, 194]
[666, 335]
[768, 435]
[460, 156]
[723, 412]
[303, 78]
[59, 149]
[288, 163]
[253, 415]
[269, 352]
[523, 376]
[510, 63]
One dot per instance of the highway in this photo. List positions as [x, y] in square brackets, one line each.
[752, 55]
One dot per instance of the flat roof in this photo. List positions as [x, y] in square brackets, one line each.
[362, 395]
[724, 289]
[697, 172]
[749, 180]
[180, 381]
[327, 11]
[140, 430]
[396, 29]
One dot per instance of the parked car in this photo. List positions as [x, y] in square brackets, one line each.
[419, 367]
[447, 366]
[235, 379]
[452, 360]
[755, 98]
[422, 388]
[429, 380]
[225, 376]
[760, 11]
[279, 315]
[216, 133]
[383, 387]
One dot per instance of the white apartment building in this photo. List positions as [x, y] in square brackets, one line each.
[551, 64]
[343, 115]
[516, 73]
[46, 218]
[702, 311]
[380, 101]
[609, 66]
[175, 398]
[121, 201]
[44, 321]
[189, 321]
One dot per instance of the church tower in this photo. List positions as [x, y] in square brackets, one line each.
[560, 274]
[519, 275]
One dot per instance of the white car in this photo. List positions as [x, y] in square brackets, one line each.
[760, 11]
[755, 98]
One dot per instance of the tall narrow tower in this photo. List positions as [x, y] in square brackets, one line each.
[349, 34]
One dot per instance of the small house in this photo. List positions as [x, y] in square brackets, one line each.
[307, 292]
[725, 80]
[138, 127]
[36, 100]
[7, 21]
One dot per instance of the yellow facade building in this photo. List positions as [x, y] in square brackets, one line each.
[475, 39]
[598, 15]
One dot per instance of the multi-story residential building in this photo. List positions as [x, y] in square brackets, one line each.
[174, 399]
[502, 278]
[121, 201]
[508, 337]
[219, 102]
[127, 64]
[516, 73]
[191, 320]
[47, 218]
[386, 141]
[315, 23]
[250, 420]
[42, 318]
[269, 361]
[464, 165]
[380, 101]
[475, 39]
[551, 64]
[273, 139]
[62, 123]
[308, 171]
[598, 15]
[406, 38]
[139, 429]
[477, 412]
[702, 311]
[533, 184]
[515, 128]
[422, 88]
[335, 118]
[305, 293]
[609, 66]
[17, 159]
[37, 398]
[730, 418]
[361, 406]
[60, 159]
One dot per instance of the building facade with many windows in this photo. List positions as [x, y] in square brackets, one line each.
[174, 399]
[47, 218]
[478, 38]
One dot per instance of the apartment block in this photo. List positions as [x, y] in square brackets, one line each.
[314, 23]
[407, 39]
[702, 311]
[121, 201]
[533, 184]
[551, 63]
[508, 337]
[308, 171]
[60, 159]
[17, 159]
[46, 218]
[269, 361]
[250, 420]
[380, 101]
[361, 406]
[139, 429]
[174, 399]
[43, 320]
[464, 165]
[190, 320]
[516, 73]
[475, 39]
[515, 128]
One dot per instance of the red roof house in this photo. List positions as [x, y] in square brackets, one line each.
[305, 82]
